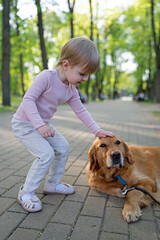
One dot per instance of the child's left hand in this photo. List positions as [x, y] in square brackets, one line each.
[103, 133]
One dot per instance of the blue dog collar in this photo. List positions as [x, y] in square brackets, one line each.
[121, 180]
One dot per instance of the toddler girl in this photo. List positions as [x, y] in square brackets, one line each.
[31, 122]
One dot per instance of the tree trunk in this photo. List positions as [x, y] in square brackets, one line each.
[116, 77]
[108, 73]
[20, 55]
[115, 92]
[21, 71]
[98, 71]
[71, 10]
[102, 74]
[91, 38]
[150, 84]
[41, 34]
[91, 20]
[157, 52]
[6, 54]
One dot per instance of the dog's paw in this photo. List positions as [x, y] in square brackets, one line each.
[131, 216]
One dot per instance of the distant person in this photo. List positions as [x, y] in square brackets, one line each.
[141, 96]
[31, 122]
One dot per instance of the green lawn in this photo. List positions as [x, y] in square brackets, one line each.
[156, 114]
[15, 101]
[7, 109]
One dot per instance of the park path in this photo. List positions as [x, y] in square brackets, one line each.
[87, 214]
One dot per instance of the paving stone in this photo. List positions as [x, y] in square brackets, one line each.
[79, 195]
[157, 218]
[2, 191]
[40, 189]
[5, 203]
[82, 180]
[113, 236]
[68, 164]
[56, 231]
[94, 192]
[23, 171]
[71, 158]
[13, 192]
[18, 164]
[5, 173]
[25, 234]
[82, 215]
[69, 179]
[8, 223]
[143, 230]
[55, 199]
[115, 202]
[147, 213]
[10, 181]
[67, 213]
[80, 162]
[16, 207]
[75, 171]
[9, 161]
[113, 218]
[94, 206]
[86, 228]
[40, 219]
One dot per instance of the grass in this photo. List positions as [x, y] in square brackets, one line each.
[7, 109]
[15, 101]
[156, 114]
[146, 102]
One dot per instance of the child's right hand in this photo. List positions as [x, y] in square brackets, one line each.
[104, 134]
[46, 131]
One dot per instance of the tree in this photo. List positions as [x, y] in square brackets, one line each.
[156, 49]
[91, 19]
[71, 11]
[137, 24]
[91, 38]
[6, 54]
[17, 20]
[41, 34]
[120, 32]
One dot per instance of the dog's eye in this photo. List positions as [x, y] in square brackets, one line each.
[103, 145]
[117, 142]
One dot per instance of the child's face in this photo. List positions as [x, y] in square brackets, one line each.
[75, 75]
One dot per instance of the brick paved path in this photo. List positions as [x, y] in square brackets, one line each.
[86, 215]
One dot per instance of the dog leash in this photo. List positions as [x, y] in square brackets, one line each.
[125, 190]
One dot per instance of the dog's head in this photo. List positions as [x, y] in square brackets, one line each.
[109, 152]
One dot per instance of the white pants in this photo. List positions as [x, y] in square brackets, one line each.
[51, 152]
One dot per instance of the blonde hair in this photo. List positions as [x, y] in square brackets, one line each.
[80, 51]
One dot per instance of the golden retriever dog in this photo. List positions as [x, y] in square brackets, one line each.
[137, 165]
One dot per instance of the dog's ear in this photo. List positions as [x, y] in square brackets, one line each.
[128, 155]
[94, 166]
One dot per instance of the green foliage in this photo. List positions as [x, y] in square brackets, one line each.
[120, 32]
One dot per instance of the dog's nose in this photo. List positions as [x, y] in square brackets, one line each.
[116, 157]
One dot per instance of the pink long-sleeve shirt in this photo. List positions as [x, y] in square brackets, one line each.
[43, 97]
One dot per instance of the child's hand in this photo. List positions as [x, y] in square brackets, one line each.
[103, 133]
[45, 131]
